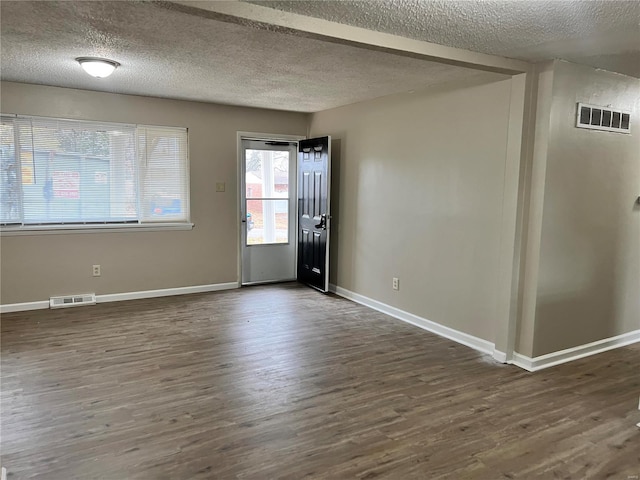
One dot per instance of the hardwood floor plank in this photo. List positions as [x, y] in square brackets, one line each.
[282, 382]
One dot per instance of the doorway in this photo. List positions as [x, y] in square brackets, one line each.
[268, 173]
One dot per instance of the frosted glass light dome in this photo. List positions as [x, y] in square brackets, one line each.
[97, 67]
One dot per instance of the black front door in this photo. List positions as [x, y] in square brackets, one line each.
[314, 178]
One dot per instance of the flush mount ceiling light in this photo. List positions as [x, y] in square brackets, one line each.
[97, 67]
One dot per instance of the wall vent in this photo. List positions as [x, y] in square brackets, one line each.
[72, 300]
[603, 118]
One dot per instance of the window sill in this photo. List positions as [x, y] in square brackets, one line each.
[73, 229]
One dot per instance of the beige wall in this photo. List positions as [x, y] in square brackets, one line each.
[418, 193]
[589, 272]
[418, 185]
[36, 267]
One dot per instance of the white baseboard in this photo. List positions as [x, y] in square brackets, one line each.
[165, 292]
[476, 343]
[22, 307]
[484, 346]
[118, 297]
[500, 356]
[581, 351]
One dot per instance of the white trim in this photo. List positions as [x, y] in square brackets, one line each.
[92, 228]
[522, 361]
[500, 356]
[268, 136]
[268, 282]
[118, 297]
[484, 346]
[165, 292]
[327, 221]
[476, 343]
[575, 353]
[23, 307]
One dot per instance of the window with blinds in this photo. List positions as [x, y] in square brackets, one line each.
[67, 172]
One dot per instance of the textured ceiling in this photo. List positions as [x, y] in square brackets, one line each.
[600, 33]
[174, 53]
[167, 53]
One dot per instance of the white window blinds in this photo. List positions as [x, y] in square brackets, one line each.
[10, 192]
[164, 184]
[56, 171]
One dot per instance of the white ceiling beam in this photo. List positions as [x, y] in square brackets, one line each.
[277, 20]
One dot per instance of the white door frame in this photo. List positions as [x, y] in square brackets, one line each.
[258, 136]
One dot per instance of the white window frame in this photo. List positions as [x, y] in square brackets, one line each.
[115, 227]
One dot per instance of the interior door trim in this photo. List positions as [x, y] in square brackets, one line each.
[241, 135]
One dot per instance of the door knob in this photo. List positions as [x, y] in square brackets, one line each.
[323, 222]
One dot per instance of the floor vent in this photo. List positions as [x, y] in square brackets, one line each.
[603, 118]
[72, 300]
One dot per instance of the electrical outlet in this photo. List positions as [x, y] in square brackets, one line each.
[96, 271]
[396, 283]
[220, 187]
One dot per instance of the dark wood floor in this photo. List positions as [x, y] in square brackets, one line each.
[283, 382]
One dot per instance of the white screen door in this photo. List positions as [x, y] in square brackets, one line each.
[268, 210]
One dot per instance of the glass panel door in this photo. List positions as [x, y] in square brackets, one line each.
[268, 218]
